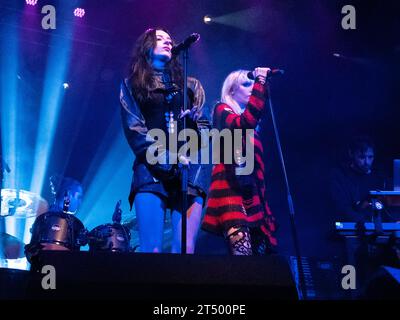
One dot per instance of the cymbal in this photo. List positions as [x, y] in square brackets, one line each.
[22, 203]
[10, 247]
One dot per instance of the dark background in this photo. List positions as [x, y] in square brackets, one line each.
[320, 102]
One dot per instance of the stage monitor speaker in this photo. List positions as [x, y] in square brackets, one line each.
[163, 276]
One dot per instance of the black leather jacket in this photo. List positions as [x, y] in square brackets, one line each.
[135, 130]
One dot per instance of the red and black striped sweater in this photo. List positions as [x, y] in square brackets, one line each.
[226, 204]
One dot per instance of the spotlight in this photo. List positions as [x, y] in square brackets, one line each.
[79, 12]
[207, 19]
[66, 85]
[31, 2]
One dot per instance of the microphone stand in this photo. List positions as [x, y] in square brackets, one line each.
[184, 187]
[184, 46]
[300, 270]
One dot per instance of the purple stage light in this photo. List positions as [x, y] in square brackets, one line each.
[31, 2]
[79, 12]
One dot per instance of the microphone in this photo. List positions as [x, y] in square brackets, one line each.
[272, 73]
[185, 44]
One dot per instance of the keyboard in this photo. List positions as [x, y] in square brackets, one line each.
[349, 228]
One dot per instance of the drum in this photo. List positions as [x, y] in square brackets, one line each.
[110, 237]
[58, 231]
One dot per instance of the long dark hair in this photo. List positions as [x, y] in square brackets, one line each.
[141, 70]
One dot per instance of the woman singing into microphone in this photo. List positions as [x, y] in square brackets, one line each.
[152, 98]
[236, 205]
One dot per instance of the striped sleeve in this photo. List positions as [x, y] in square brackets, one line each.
[224, 117]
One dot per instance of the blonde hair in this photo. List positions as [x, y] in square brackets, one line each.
[231, 83]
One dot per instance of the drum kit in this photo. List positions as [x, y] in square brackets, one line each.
[60, 230]
[111, 236]
[53, 228]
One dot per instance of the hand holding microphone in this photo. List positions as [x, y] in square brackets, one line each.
[264, 73]
[261, 73]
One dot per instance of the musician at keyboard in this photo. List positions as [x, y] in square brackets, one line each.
[351, 182]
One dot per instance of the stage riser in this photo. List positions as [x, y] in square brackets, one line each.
[163, 277]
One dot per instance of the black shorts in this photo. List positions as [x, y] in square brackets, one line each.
[172, 198]
[169, 192]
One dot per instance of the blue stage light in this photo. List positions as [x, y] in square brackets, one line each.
[52, 99]
[9, 100]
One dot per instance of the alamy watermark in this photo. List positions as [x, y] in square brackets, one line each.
[49, 20]
[349, 280]
[349, 20]
[49, 280]
[199, 151]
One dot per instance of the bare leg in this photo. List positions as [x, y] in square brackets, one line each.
[194, 214]
[150, 211]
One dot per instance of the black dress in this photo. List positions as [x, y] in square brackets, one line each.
[158, 111]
